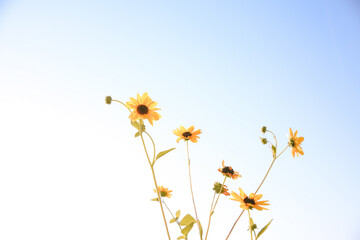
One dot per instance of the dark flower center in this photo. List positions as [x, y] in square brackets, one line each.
[142, 109]
[292, 142]
[186, 134]
[249, 200]
[163, 193]
[227, 170]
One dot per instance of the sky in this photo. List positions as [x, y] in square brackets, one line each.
[70, 167]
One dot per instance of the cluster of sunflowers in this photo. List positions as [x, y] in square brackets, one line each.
[143, 107]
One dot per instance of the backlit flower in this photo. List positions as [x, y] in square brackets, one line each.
[164, 192]
[143, 108]
[187, 134]
[229, 172]
[224, 190]
[294, 143]
[249, 202]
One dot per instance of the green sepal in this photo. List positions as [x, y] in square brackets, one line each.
[188, 228]
[135, 125]
[273, 148]
[263, 229]
[188, 219]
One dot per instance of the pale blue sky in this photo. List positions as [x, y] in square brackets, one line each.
[70, 167]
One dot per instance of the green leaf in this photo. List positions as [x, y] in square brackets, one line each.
[177, 214]
[137, 134]
[212, 212]
[187, 220]
[135, 125]
[163, 153]
[263, 229]
[187, 229]
[181, 237]
[173, 220]
[200, 229]
[155, 199]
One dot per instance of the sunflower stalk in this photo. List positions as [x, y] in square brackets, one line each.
[212, 208]
[192, 194]
[156, 186]
[272, 163]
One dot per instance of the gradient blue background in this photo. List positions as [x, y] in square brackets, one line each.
[70, 167]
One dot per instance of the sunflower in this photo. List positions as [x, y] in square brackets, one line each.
[164, 192]
[249, 202]
[224, 190]
[144, 108]
[294, 143]
[229, 172]
[187, 134]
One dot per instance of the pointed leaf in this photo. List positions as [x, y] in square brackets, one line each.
[137, 134]
[181, 237]
[263, 229]
[155, 199]
[273, 150]
[187, 220]
[173, 220]
[187, 229]
[177, 214]
[163, 153]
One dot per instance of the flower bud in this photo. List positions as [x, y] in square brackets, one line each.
[108, 100]
[264, 140]
[263, 129]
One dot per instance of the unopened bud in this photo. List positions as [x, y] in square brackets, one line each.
[264, 140]
[108, 100]
[263, 129]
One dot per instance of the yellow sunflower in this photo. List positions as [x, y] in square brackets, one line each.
[164, 192]
[249, 202]
[143, 107]
[229, 172]
[187, 134]
[294, 143]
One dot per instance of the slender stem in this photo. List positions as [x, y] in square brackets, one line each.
[250, 225]
[192, 194]
[219, 193]
[156, 186]
[153, 145]
[172, 214]
[122, 104]
[274, 137]
[213, 208]
[211, 212]
[234, 224]
[257, 189]
[269, 170]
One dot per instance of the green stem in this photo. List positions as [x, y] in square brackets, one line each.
[213, 208]
[172, 214]
[192, 194]
[257, 189]
[250, 225]
[156, 186]
[153, 145]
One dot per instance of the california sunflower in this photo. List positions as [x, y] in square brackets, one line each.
[229, 172]
[164, 192]
[187, 134]
[224, 190]
[294, 143]
[249, 202]
[144, 108]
